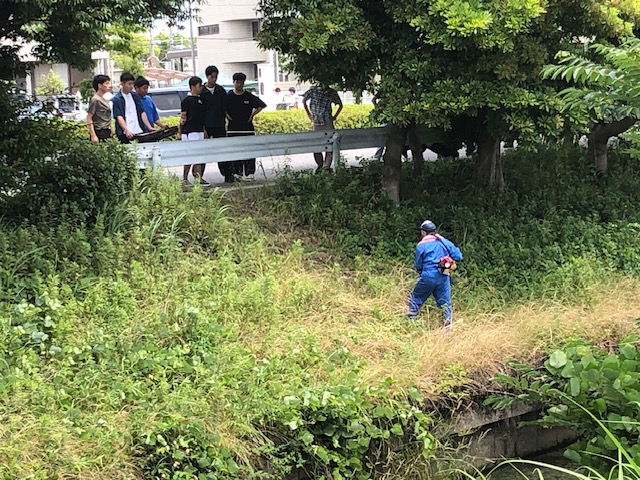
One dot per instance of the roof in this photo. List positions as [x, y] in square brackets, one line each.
[164, 75]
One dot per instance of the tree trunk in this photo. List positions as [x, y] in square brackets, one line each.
[598, 138]
[392, 162]
[489, 164]
[415, 145]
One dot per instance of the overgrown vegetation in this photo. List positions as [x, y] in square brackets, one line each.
[590, 389]
[173, 335]
[557, 230]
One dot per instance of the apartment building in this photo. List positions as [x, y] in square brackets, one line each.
[227, 33]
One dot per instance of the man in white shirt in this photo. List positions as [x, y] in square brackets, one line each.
[128, 111]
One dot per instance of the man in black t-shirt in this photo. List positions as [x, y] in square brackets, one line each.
[192, 124]
[214, 97]
[242, 107]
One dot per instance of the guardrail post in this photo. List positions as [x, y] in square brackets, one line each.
[335, 146]
[156, 157]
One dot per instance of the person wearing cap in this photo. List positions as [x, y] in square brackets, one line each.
[431, 249]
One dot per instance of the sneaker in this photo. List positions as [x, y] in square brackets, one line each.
[186, 183]
[237, 178]
[250, 178]
[448, 328]
[203, 182]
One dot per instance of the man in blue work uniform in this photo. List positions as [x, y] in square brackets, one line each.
[434, 279]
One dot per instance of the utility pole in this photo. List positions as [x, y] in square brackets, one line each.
[193, 47]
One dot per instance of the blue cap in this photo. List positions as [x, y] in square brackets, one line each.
[428, 226]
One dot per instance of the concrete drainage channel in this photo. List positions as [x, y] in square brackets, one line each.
[490, 436]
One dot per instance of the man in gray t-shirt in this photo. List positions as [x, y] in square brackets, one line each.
[99, 111]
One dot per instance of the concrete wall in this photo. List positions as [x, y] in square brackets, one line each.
[489, 436]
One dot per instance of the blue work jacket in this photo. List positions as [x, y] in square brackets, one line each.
[430, 250]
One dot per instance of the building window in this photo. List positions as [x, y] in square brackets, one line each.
[255, 28]
[282, 77]
[209, 30]
[256, 71]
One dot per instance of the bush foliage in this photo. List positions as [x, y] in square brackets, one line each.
[557, 228]
[149, 333]
[296, 120]
[49, 172]
[593, 391]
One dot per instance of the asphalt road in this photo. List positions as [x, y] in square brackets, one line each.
[268, 168]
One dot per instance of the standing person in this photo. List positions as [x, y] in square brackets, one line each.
[141, 86]
[435, 258]
[214, 97]
[242, 107]
[291, 98]
[128, 111]
[99, 111]
[192, 122]
[320, 113]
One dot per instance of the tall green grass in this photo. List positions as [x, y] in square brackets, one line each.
[557, 229]
[184, 336]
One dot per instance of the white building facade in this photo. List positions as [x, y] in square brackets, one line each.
[227, 32]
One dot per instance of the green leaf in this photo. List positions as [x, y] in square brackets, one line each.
[307, 438]
[628, 351]
[574, 386]
[397, 429]
[573, 455]
[558, 359]
[383, 411]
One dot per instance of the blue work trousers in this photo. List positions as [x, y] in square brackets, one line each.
[440, 287]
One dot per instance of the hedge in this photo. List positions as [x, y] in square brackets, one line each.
[295, 120]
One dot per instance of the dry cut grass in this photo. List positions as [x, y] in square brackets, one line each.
[367, 316]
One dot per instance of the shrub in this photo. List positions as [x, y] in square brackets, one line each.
[49, 172]
[593, 391]
[296, 120]
[556, 221]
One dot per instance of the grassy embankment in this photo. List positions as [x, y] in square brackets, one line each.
[181, 336]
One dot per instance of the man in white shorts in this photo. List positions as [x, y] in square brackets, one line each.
[192, 123]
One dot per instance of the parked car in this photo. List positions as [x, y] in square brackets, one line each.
[68, 107]
[28, 107]
[168, 99]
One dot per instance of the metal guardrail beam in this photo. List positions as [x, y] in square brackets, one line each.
[173, 154]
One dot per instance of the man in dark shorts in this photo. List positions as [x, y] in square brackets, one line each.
[242, 107]
[192, 122]
[99, 111]
[214, 97]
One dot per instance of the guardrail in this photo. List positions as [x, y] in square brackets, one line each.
[173, 154]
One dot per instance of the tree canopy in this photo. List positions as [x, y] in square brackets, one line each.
[471, 66]
[605, 91]
[69, 30]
